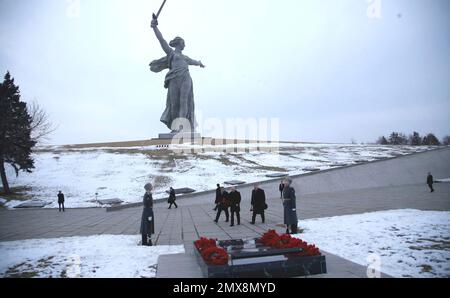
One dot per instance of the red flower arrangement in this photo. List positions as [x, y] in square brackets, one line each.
[205, 243]
[215, 256]
[272, 239]
[211, 253]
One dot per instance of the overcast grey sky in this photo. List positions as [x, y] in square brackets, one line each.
[326, 68]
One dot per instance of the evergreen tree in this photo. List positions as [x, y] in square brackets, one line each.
[15, 130]
[415, 139]
[431, 140]
[397, 138]
[382, 141]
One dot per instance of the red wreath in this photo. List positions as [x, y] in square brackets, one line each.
[272, 239]
[212, 254]
[205, 243]
[215, 256]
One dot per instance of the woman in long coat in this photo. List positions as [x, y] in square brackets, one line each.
[290, 207]
[148, 219]
[180, 95]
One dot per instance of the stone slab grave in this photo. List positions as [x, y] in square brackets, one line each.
[379, 158]
[184, 190]
[310, 169]
[277, 175]
[335, 165]
[362, 161]
[234, 182]
[110, 202]
[32, 204]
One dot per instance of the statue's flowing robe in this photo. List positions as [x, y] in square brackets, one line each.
[180, 94]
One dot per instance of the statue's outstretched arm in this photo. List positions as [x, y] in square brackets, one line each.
[194, 62]
[165, 46]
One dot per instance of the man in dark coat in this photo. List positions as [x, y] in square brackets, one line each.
[281, 188]
[147, 220]
[61, 200]
[218, 191]
[223, 205]
[235, 202]
[290, 209]
[430, 182]
[258, 204]
[172, 198]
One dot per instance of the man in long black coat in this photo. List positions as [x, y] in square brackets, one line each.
[281, 188]
[61, 200]
[258, 204]
[172, 198]
[218, 192]
[223, 205]
[430, 182]
[235, 202]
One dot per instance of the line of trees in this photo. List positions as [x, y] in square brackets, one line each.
[22, 126]
[415, 139]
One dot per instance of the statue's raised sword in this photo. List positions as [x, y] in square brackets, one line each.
[155, 17]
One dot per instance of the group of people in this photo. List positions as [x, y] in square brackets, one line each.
[229, 202]
[226, 202]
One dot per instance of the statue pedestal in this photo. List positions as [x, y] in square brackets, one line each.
[188, 136]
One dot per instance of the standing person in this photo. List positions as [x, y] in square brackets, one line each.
[223, 205]
[235, 202]
[218, 191]
[258, 203]
[281, 188]
[172, 198]
[61, 201]
[147, 220]
[430, 182]
[290, 209]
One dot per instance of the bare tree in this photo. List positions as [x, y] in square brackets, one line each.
[41, 126]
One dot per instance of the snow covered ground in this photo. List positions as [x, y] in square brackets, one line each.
[121, 172]
[409, 243]
[102, 256]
